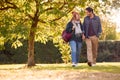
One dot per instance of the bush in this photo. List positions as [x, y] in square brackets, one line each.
[43, 54]
[108, 51]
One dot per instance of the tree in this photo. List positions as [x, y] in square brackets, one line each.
[109, 30]
[31, 14]
[115, 3]
[36, 20]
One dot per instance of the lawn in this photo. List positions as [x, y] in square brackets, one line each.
[103, 71]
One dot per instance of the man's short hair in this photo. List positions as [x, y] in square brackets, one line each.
[89, 9]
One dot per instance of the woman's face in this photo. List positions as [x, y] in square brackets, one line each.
[77, 17]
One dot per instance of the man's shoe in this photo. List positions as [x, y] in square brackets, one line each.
[90, 64]
[73, 65]
[93, 64]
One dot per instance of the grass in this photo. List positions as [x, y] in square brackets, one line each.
[103, 71]
[83, 67]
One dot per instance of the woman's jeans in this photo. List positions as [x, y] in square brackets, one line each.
[75, 51]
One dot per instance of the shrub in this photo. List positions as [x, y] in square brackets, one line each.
[108, 51]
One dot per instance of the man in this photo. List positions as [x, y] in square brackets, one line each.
[92, 31]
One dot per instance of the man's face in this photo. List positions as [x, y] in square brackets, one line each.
[88, 13]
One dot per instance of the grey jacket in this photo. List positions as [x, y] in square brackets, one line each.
[96, 23]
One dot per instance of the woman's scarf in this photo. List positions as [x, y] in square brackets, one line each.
[77, 26]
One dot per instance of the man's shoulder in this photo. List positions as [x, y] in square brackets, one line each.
[87, 17]
[97, 17]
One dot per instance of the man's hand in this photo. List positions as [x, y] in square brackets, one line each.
[83, 36]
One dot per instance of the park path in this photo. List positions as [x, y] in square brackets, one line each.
[27, 74]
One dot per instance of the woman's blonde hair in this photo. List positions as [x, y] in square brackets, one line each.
[74, 16]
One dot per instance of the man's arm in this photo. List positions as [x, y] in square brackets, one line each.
[99, 27]
[83, 27]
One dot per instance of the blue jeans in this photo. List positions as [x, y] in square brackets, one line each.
[75, 51]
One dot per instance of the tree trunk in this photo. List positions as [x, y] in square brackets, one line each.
[31, 61]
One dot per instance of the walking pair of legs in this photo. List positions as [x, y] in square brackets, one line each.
[92, 47]
[75, 52]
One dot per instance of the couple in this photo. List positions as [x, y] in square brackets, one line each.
[88, 31]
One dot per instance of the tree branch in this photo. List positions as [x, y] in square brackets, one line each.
[47, 2]
[13, 6]
[53, 7]
[48, 9]
[31, 17]
[63, 5]
[6, 8]
[60, 8]
[56, 19]
[36, 15]
[42, 21]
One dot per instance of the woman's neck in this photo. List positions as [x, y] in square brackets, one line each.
[76, 20]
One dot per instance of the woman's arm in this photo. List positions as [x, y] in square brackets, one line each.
[69, 27]
[81, 25]
[82, 28]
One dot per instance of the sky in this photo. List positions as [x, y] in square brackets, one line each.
[115, 17]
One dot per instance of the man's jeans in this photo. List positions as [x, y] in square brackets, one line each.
[92, 47]
[75, 51]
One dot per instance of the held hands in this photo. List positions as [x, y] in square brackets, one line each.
[83, 36]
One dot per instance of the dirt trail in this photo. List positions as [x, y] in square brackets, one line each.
[26, 74]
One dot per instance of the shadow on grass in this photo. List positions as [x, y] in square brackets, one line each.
[99, 68]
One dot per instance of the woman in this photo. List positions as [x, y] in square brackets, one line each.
[75, 27]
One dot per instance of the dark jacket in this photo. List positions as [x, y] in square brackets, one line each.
[96, 24]
[69, 30]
